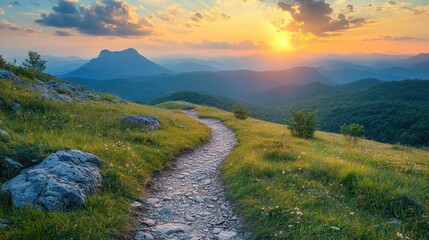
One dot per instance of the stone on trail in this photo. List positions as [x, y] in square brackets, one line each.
[149, 222]
[63, 180]
[170, 228]
[143, 120]
[226, 235]
[143, 236]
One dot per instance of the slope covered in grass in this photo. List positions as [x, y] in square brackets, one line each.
[291, 188]
[130, 156]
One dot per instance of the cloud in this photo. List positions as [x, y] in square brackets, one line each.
[1, 11]
[63, 33]
[169, 13]
[316, 16]
[103, 18]
[8, 26]
[394, 38]
[349, 8]
[207, 44]
[210, 15]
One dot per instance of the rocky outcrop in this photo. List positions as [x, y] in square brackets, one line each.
[148, 121]
[63, 180]
[53, 90]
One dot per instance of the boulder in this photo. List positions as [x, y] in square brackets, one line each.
[63, 180]
[143, 120]
[14, 164]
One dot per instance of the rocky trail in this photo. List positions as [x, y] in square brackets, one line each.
[189, 202]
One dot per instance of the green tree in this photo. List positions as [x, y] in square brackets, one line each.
[352, 132]
[303, 123]
[240, 112]
[34, 62]
[2, 62]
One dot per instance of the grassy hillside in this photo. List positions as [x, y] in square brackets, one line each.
[130, 157]
[290, 188]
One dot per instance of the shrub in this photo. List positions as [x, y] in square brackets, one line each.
[240, 112]
[34, 62]
[352, 132]
[303, 124]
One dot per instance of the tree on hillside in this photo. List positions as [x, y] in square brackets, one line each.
[34, 62]
[303, 124]
[240, 112]
[352, 132]
[2, 62]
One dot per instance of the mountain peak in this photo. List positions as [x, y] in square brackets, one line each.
[118, 64]
[106, 52]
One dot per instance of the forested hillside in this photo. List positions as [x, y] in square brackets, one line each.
[392, 112]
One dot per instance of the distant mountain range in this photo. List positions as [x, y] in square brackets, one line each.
[121, 64]
[333, 69]
[226, 83]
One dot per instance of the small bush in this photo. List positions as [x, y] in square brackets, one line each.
[352, 132]
[303, 124]
[240, 112]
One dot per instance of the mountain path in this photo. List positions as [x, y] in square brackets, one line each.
[189, 202]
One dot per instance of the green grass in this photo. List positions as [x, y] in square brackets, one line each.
[176, 105]
[290, 188]
[130, 157]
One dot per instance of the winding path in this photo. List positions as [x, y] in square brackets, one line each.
[189, 202]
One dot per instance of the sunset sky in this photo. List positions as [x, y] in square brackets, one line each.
[213, 27]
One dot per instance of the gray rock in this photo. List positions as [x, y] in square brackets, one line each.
[15, 106]
[143, 120]
[170, 228]
[199, 199]
[165, 211]
[149, 222]
[63, 180]
[226, 235]
[14, 164]
[4, 223]
[6, 74]
[136, 204]
[143, 236]
[4, 134]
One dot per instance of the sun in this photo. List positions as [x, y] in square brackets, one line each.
[281, 43]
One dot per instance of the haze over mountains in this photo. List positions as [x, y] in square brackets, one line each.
[340, 89]
[134, 77]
